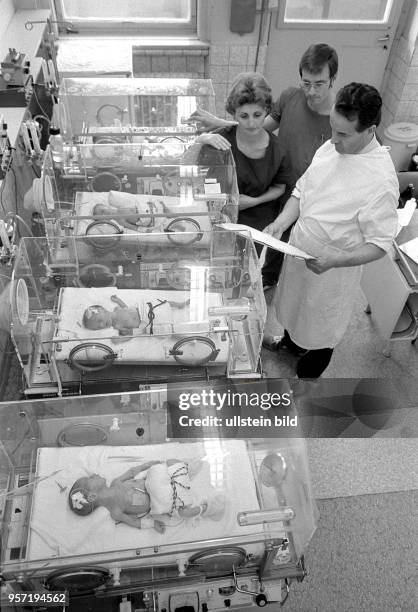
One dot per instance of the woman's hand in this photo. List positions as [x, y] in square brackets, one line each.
[208, 121]
[214, 140]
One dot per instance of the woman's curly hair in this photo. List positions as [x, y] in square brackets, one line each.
[249, 88]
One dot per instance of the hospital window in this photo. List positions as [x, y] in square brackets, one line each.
[374, 11]
[138, 17]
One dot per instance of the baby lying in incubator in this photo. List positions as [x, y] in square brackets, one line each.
[165, 491]
[143, 217]
[124, 318]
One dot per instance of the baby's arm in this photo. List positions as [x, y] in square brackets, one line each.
[134, 471]
[118, 301]
[139, 523]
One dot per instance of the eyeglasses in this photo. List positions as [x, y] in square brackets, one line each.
[316, 86]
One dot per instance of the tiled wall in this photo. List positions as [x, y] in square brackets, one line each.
[226, 62]
[188, 63]
[400, 90]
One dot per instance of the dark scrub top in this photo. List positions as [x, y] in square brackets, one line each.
[255, 176]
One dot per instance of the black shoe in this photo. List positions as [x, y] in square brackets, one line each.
[288, 344]
[271, 343]
[291, 347]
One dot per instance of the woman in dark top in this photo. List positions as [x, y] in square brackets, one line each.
[262, 171]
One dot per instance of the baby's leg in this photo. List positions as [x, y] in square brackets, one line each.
[191, 511]
[129, 212]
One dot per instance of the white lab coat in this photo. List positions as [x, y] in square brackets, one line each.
[345, 202]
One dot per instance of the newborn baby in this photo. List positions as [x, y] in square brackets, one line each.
[165, 491]
[134, 215]
[123, 318]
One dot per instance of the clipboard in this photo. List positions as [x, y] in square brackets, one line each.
[266, 240]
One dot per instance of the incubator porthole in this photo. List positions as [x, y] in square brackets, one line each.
[78, 580]
[109, 114]
[22, 301]
[82, 434]
[194, 351]
[218, 560]
[96, 275]
[273, 470]
[104, 152]
[183, 231]
[103, 234]
[106, 181]
[91, 357]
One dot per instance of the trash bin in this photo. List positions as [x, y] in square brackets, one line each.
[402, 138]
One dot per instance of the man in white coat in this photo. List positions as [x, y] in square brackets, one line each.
[344, 207]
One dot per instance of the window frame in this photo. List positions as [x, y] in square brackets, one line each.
[335, 24]
[128, 28]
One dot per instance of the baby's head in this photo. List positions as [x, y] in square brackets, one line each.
[83, 495]
[101, 209]
[97, 317]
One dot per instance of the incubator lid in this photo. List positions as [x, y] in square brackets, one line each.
[402, 132]
[136, 86]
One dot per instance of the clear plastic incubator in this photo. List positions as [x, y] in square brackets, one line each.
[131, 110]
[233, 536]
[87, 311]
[178, 191]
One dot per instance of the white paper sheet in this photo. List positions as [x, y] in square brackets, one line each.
[410, 248]
[266, 239]
[405, 214]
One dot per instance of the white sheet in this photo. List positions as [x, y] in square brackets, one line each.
[86, 201]
[170, 323]
[57, 531]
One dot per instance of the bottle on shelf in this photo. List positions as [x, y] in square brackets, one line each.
[57, 144]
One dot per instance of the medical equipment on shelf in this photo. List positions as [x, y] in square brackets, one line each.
[5, 148]
[15, 80]
[30, 132]
[211, 561]
[14, 69]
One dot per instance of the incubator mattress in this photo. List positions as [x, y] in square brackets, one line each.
[67, 534]
[171, 324]
[197, 210]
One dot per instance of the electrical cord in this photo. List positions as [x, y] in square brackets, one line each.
[38, 118]
[34, 86]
